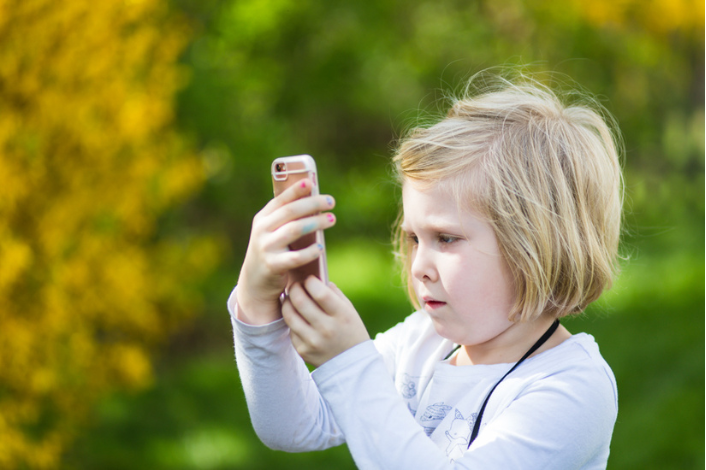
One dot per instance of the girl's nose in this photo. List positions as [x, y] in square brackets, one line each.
[423, 267]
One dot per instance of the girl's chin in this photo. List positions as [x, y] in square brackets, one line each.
[444, 330]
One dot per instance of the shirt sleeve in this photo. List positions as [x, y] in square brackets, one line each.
[285, 406]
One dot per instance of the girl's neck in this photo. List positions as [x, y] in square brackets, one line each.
[512, 344]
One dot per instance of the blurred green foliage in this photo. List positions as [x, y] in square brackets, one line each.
[341, 80]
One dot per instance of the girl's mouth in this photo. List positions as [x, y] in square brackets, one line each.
[433, 304]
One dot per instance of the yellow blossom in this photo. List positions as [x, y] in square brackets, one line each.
[88, 162]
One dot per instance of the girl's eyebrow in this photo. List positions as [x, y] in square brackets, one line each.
[446, 229]
[434, 223]
[443, 226]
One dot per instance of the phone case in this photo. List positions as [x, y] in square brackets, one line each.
[287, 171]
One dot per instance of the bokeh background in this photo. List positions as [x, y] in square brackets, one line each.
[135, 142]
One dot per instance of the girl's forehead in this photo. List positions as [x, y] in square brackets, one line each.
[426, 193]
[453, 191]
[436, 200]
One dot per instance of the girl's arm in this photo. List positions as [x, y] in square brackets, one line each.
[285, 406]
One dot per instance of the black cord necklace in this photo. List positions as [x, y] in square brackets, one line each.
[547, 334]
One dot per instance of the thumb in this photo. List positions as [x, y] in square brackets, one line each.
[335, 288]
[339, 293]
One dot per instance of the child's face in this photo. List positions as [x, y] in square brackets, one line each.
[458, 273]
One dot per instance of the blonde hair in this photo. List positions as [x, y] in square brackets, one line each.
[547, 177]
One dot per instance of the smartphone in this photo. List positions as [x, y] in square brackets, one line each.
[287, 171]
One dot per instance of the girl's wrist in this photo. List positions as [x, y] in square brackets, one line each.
[254, 312]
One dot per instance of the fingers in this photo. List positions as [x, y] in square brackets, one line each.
[292, 193]
[335, 288]
[293, 319]
[305, 306]
[315, 299]
[287, 260]
[293, 203]
[322, 325]
[268, 259]
[340, 293]
[296, 229]
[300, 209]
[327, 299]
[311, 329]
[286, 219]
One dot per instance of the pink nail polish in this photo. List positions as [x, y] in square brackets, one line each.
[303, 185]
[330, 217]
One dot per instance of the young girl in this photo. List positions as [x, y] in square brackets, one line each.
[510, 221]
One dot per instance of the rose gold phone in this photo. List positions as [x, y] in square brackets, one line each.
[287, 171]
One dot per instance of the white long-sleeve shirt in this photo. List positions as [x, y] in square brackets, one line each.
[399, 405]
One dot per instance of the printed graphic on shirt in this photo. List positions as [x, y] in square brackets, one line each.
[437, 411]
[409, 387]
[433, 415]
[459, 434]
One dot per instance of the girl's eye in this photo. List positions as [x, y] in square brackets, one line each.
[412, 238]
[446, 239]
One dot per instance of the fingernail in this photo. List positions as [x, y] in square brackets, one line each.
[330, 217]
[303, 184]
[329, 200]
[320, 246]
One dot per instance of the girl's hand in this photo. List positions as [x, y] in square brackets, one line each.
[323, 322]
[268, 259]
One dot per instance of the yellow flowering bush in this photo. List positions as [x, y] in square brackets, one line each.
[88, 163]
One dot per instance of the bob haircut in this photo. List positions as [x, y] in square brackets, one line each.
[546, 177]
